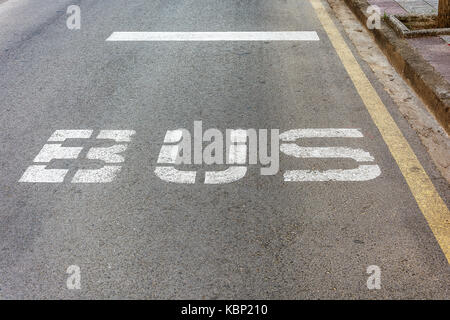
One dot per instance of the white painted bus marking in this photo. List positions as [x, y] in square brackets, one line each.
[117, 135]
[108, 155]
[170, 174]
[53, 151]
[362, 173]
[102, 175]
[325, 152]
[237, 155]
[62, 135]
[56, 151]
[39, 173]
[295, 134]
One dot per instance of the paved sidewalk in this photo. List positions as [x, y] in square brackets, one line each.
[407, 6]
[435, 50]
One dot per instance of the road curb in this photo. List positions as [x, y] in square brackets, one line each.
[428, 84]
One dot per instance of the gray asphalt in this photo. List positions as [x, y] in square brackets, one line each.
[141, 237]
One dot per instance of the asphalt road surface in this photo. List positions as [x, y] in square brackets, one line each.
[137, 235]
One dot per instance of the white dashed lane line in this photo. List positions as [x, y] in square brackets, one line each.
[215, 36]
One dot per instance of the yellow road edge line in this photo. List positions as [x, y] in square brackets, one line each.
[428, 199]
